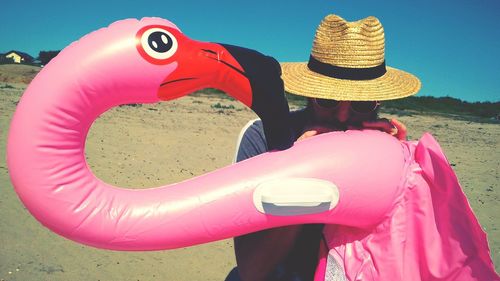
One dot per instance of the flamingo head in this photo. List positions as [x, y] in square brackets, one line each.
[247, 75]
[198, 64]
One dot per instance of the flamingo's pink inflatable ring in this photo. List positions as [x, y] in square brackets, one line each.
[150, 60]
[354, 180]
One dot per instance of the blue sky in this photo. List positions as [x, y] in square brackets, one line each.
[453, 46]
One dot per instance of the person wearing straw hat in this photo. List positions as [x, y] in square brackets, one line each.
[345, 80]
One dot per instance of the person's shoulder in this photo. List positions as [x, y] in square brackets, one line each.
[251, 141]
[252, 131]
[254, 125]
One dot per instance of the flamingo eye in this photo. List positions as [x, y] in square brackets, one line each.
[156, 44]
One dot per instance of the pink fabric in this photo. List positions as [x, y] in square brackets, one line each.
[430, 234]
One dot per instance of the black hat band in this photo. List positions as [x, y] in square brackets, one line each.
[346, 72]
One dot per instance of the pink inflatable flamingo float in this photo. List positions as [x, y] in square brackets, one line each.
[375, 190]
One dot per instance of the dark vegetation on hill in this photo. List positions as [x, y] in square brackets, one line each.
[445, 105]
[476, 111]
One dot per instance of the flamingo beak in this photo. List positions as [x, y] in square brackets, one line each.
[206, 65]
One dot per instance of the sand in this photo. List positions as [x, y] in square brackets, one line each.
[156, 144]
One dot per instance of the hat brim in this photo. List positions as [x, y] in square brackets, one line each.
[394, 84]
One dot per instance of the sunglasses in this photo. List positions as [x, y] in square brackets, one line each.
[356, 106]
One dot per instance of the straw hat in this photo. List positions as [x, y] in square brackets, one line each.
[347, 63]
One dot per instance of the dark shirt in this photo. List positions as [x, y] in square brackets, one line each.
[300, 264]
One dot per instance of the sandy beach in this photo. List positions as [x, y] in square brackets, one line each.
[155, 144]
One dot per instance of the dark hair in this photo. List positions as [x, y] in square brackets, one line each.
[309, 107]
[355, 118]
